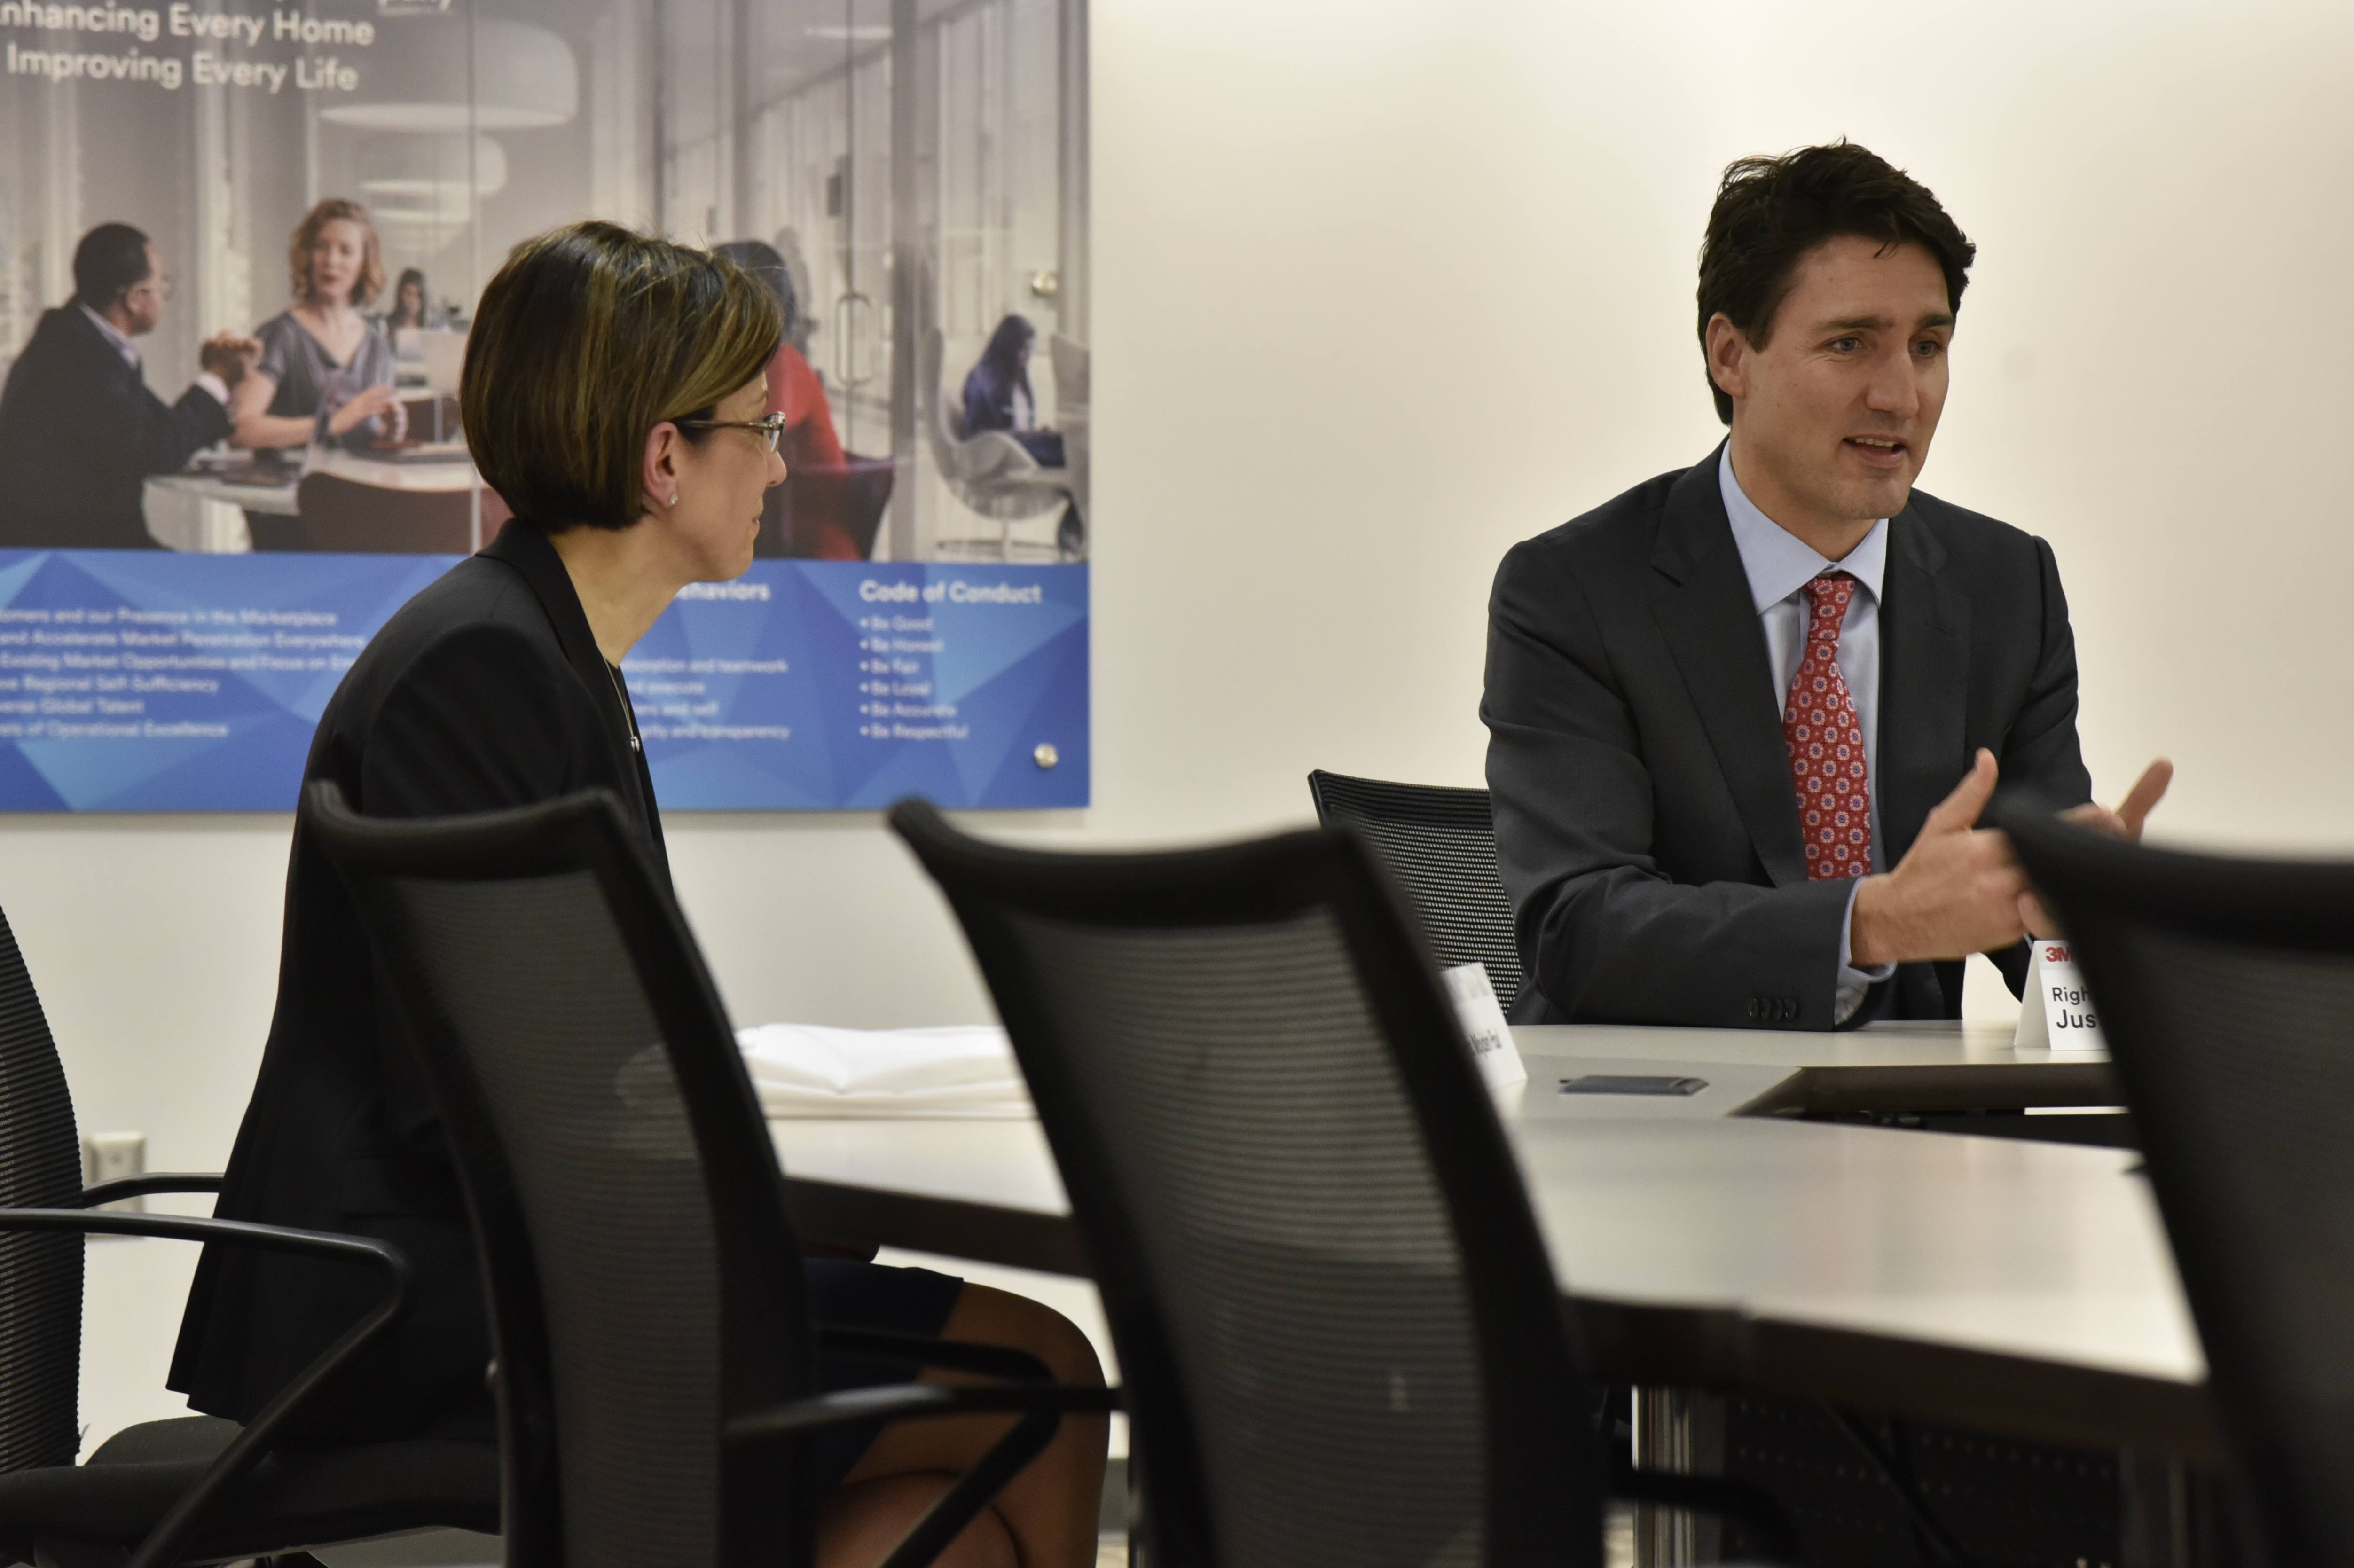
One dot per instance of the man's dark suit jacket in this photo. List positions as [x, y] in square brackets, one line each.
[80, 433]
[485, 690]
[1644, 824]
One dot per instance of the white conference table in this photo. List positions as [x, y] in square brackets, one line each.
[2005, 1286]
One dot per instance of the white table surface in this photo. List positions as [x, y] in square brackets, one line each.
[2051, 1252]
[2049, 1255]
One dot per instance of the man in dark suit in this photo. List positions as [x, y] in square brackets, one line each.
[79, 431]
[1743, 718]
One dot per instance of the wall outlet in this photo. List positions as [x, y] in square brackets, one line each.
[110, 1156]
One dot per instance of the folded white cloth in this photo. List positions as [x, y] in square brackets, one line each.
[808, 1069]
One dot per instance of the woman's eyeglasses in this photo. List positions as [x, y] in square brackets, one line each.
[770, 429]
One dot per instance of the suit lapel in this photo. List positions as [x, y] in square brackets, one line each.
[1704, 610]
[1924, 667]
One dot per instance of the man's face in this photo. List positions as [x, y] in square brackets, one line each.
[145, 300]
[1839, 406]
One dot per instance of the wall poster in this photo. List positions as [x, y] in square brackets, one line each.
[192, 551]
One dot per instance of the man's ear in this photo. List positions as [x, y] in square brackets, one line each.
[1728, 357]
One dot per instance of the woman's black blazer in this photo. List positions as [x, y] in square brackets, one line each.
[485, 691]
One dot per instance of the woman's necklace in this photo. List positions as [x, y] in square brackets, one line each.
[629, 710]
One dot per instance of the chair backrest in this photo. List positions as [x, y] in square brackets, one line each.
[1440, 844]
[628, 1208]
[2225, 989]
[41, 1273]
[1340, 1338]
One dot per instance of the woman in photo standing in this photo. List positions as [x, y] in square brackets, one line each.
[326, 371]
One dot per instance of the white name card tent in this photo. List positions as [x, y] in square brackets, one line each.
[1482, 1017]
[2055, 1010]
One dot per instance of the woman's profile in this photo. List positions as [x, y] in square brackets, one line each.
[613, 394]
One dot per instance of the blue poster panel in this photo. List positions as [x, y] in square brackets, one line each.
[143, 681]
[242, 245]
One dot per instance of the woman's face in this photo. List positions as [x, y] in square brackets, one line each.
[721, 481]
[337, 252]
[412, 300]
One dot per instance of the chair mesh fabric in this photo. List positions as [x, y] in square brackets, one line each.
[1290, 1223]
[1439, 845]
[40, 1275]
[537, 985]
[2246, 1084]
[2225, 990]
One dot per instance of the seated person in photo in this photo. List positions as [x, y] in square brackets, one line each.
[612, 394]
[1743, 719]
[409, 305]
[79, 430]
[997, 392]
[326, 371]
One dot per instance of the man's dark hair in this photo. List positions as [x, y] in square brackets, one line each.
[111, 262]
[1770, 212]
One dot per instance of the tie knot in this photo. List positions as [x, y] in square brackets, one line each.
[1829, 592]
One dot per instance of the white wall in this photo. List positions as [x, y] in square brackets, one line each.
[1388, 284]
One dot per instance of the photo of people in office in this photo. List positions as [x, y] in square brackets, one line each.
[80, 426]
[933, 369]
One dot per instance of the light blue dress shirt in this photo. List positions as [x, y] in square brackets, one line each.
[1779, 565]
[122, 345]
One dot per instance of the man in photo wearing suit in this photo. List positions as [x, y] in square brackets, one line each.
[1743, 718]
[79, 431]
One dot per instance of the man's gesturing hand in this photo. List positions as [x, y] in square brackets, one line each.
[1957, 892]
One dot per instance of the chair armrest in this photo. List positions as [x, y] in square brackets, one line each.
[913, 1400]
[1042, 1407]
[141, 1186]
[1757, 1512]
[1001, 1361]
[166, 1543]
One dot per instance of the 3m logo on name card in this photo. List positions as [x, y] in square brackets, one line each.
[2056, 1012]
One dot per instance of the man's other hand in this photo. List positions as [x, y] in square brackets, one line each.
[1957, 891]
[229, 356]
[2124, 823]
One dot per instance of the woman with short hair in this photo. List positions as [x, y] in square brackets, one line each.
[612, 395]
[326, 371]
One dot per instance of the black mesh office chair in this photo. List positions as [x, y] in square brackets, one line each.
[1439, 845]
[1338, 1331]
[2225, 989]
[656, 1371]
[182, 1490]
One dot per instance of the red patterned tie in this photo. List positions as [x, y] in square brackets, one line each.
[1826, 741]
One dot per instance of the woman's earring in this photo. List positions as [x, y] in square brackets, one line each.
[673, 498]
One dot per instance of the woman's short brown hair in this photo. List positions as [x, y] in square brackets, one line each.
[370, 282]
[589, 338]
